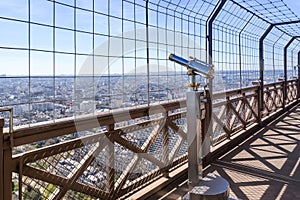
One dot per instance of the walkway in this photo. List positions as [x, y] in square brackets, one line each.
[266, 166]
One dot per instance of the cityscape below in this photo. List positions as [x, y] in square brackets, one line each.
[46, 98]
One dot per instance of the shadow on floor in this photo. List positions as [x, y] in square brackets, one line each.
[266, 166]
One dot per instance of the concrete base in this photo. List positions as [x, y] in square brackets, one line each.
[212, 187]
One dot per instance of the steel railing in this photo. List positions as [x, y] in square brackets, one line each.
[113, 154]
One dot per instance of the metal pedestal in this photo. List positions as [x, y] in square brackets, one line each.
[194, 137]
[212, 187]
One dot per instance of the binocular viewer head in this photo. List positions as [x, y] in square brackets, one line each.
[197, 66]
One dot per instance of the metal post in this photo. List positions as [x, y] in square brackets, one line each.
[273, 51]
[240, 49]
[165, 144]
[194, 137]
[261, 67]
[7, 176]
[227, 119]
[194, 115]
[6, 157]
[258, 105]
[285, 70]
[207, 139]
[209, 49]
[210, 21]
[148, 52]
[209, 45]
[210, 186]
[1, 160]
[298, 85]
[110, 164]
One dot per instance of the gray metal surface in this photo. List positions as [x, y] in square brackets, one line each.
[194, 137]
[198, 67]
[211, 187]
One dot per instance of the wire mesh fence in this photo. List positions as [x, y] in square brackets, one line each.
[105, 165]
[75, 57]
[71, 58]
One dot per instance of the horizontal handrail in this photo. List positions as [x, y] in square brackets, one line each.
[66, 126]
[235, 92]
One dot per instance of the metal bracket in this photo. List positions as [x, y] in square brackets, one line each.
[11, 131]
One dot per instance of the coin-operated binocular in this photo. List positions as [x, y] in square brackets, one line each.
[199, 67]
[199, 109]
[198, 117]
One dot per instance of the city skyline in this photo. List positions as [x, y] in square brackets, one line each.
[46, 99]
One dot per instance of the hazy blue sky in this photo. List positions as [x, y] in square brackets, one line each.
[294, 5]
[15, 35]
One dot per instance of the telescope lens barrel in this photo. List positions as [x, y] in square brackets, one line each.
[203, 69]
[178, 60]
[199, 67]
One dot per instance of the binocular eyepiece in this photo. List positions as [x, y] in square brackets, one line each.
[197, 66]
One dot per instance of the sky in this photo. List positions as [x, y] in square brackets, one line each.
[294, 5]
[14, 34]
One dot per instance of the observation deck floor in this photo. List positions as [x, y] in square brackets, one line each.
[265, 166]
